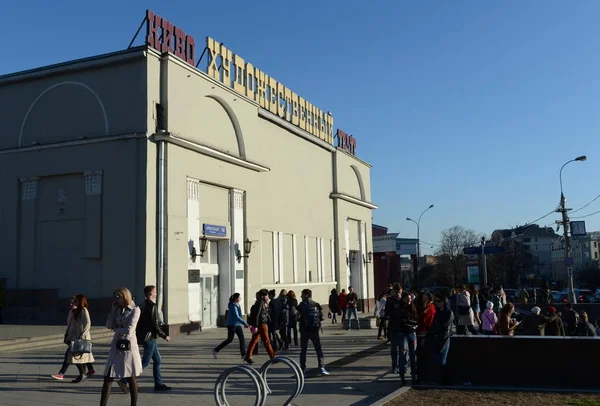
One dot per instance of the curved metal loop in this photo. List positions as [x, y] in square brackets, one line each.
[261, 391]
[297, 372]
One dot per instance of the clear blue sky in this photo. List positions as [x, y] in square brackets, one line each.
[471, 106]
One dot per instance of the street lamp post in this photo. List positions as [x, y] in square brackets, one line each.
[418, 223]
[565, 223]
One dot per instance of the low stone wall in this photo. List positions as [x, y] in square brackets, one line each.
[522, 361]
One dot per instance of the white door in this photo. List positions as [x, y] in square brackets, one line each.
[194, 295]
[210, 304]
[209, 285]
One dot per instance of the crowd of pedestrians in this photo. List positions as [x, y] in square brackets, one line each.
[407, 321]
[133, 326]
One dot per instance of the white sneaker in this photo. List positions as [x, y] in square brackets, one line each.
[215, 354]
[324, 371]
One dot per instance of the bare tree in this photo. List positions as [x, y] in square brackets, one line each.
[452, 261]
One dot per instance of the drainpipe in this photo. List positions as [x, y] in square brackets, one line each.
[161, 218]
[161, 237]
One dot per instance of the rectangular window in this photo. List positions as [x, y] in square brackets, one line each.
[268, 268]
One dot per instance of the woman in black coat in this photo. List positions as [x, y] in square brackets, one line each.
[334, 306]
[438, 336]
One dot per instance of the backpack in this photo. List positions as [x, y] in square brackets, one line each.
[312, 318]
[252, 318]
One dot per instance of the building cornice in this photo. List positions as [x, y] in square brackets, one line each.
[83, 141]
[208, 151]
[354, 200]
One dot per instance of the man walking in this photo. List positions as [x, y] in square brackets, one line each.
[352, 301]
[148, 330]
[311, 316]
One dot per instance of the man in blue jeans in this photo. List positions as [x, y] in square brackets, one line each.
[148, 330]
[352, 303]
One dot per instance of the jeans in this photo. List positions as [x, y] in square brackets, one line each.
[411, 340]
[353, 311]
[343, 313]
[382, 327]
[313, 336]
[151, 353]
[231, 331]
[276, 341]
[398, 349]
[292, 325]
[440, 357]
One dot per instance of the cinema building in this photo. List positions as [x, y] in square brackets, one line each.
[137, 168]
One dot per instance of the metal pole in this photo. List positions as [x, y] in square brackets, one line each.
[565, 223]
[417, 276]
[484, 261]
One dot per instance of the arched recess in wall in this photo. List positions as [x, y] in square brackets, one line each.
[234, 122]
[49, 89]
[361, 185]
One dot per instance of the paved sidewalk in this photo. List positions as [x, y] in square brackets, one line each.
[358, 364]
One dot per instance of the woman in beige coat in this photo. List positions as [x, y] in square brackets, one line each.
[126, 363]
[465, 312]
[79, 324]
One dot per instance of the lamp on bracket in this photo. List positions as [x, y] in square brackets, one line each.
[247, 250]
[203, 245]
[368, 259]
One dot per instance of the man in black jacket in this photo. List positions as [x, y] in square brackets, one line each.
[148, 329]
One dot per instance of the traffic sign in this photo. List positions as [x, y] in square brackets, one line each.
[569, 262]
[488, 249]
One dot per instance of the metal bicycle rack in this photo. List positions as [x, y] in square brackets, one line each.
[297, 373]
[260, 381]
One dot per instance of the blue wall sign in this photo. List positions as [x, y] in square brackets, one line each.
[214, 230]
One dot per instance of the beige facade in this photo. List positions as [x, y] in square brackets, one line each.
[103, 189]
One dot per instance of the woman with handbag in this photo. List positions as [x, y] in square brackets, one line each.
[77, 337]
[465, 312]
[124, 359]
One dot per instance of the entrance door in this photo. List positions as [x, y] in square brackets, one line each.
[194, 295]
[209, 286]
[210, 311]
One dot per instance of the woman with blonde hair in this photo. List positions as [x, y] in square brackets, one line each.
[506, 325]
[79, 324]
[124, 359]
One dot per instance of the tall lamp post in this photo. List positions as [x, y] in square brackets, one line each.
[565, 223]
[418, 223]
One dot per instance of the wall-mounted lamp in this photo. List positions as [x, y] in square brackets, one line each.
[247, 250]
[203, 246]
[368, 259]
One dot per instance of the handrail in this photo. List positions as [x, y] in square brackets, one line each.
[260, 381]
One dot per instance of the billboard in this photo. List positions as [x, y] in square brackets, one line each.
[473, 273]
[578, 228]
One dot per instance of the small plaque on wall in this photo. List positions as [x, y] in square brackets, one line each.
[193, 276]
[239, 274]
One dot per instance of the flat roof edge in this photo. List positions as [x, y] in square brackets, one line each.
[77, 64]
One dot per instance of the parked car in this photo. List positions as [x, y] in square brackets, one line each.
[556, 296]
[512, 295]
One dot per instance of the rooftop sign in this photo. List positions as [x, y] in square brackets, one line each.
[346, 142]
[234, 72]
